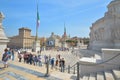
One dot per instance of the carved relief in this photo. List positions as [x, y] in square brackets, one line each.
[97, 35]
[117, 32]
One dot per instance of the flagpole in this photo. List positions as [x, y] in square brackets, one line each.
[37, 24]
[36, 34]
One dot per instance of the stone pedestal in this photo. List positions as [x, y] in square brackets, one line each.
[117, 44]
[64, 45]
[98, 45]
[36, 46]
[3, 39]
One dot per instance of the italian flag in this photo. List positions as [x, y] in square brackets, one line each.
[38, 19]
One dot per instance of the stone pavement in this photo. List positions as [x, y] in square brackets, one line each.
[17, 72]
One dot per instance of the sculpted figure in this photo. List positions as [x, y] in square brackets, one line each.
[101, 32]
[117, 33]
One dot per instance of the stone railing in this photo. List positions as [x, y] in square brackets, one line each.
[90, 65]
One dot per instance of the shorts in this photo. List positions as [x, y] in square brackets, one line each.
[5, 62]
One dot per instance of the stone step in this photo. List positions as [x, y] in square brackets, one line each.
[113, 74]
[116, 73]
[109, 75]
[92, 76]
[100, 76]
[7, 76]
[19, 74]
[86, 77]
[40, 71]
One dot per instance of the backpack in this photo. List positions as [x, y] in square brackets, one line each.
[4, 58]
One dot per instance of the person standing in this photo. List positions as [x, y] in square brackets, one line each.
[12, 55]
[59, 56]
[62, 65]
[19, 57]
[52, 63]
[30, 58]
[5, 58]
[56, 64]
[39, 60]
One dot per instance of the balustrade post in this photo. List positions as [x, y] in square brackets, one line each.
[61, 68]
[68, 68]
[78, 71]
[74, 70]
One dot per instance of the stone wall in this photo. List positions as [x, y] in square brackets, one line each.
[105, 32]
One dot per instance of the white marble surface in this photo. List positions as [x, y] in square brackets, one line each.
[3, 37]
[105, 32]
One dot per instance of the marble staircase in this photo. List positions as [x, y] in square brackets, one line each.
[113, 74]
[17, 72]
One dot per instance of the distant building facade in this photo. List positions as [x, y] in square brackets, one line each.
[25, 40]
[53, 41]
[22, 40]
[64, 39]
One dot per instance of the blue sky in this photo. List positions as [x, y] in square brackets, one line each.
[78, 16]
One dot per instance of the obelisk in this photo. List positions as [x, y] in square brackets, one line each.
[3, 39]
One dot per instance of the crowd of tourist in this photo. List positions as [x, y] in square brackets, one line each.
[39, 60]
[33, 59]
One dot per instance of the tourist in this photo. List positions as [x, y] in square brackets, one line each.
[18, 51]
[12, 55]
[5, 58]
[30, 59]
[49, 57]
[59, 56]
[56, 64]
[39, 60]
[19, 57]
[52, 63]
[45, 58]
[62, 65]
[35, 60]
[25, 56]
